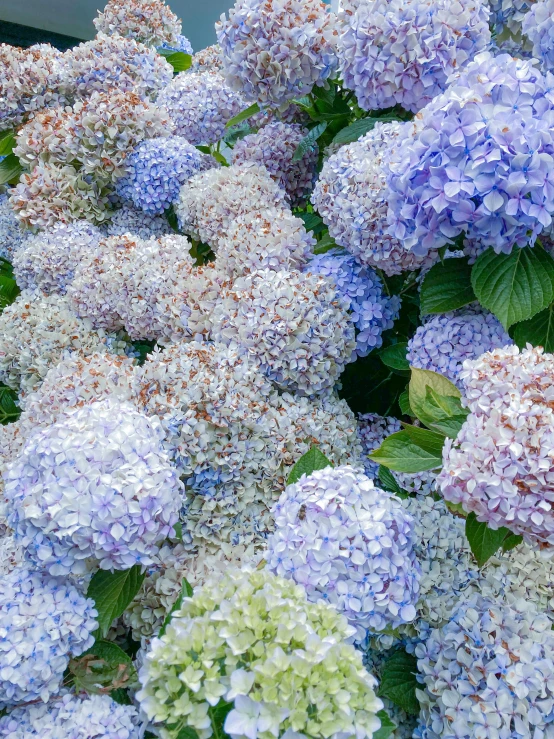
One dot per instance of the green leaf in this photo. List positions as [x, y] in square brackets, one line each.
[511, 542]
[430, 441]
[9, 411]
[7, 143]
[186, 592]
[102, 669]
[387, 726]
[514, 286]
[312, 222]
[8, 291]
[538, 331]
[121, 696]
[399, 452]
[419, 382]
[112, 592]
[404, 403]
[484, 542]
[325, 244]
[447, 286]
[187, 732]
[399, 682]
[203, 149]
[446, 411]
[394, 356]
[10, 170]
[387, 481]
[310, 462]
[178, 59]
[309, 141]
[217, 715]
[243, 115]
[218, 156]
[359, 128]
[237, 133]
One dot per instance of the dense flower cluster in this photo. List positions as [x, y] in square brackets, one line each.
[207, 60]
[292, 642]
[11, 234]
[445, 341]
[538, 26]
[458, 136]
[387, 64]
[274, 147]
[276, 50]
[349, 543]
[137, 223]
[149, 21]
[508, 13]
[43, 621]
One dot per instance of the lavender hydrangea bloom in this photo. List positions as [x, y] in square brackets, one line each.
[156, 169]
[488, 672]
[538, 26]
[149, 21]
[401, 52]
[12, 236]
[138, 223]
[43, 621]
[276, 50]
[371, 311]
[351, 544]
[95, 489]
[480, 160]
[445, 341]
[181, 43]
[508, 13]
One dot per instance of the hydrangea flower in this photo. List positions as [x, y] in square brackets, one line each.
[47, 262]
[538, 26]
[508, 13]
[200, 104]
[274, 146]
[92, 716]
[272, 238]
[351, 197]
[276, 50]
[211, 200]
[371, 311]
[350, 544]
[149, 21]
[495, 111]
[12, 236]
[256, 673]
[181, 43]
[43, 621]
[137, 223]
[108, 500]
[156, 169]
[445, 341]
[499, 464]
[207, 60]
[297, 325]
[401, 52]
[487, 672]
[116, 64]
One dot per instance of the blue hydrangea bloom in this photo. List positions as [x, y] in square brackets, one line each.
[538, 26]
[371, 310]
[480, 160]
[181, 44]
[156, 169]
[508, 13]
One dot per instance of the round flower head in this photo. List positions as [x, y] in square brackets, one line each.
[445, 341]
[200, 104]
[116, 64]
[149, 21]
[156, 169]
[371, 311]
[209, 201]
[274, 147]
[508, 13]
[499, 465]
[271, 238]
[12, 236]
[276, 50]
[47, 261]
[538, 26]
[401, 52]
[97, 134]
[207, 60]
[142, 225]
[495, 206]
[270, 690]
[351, 197]
[95, 716]
[295, 324]
[351, 544]
[52, 193]
[488, 672]
[35, 332]
[30, 79]
[43, 621]
[95, 489]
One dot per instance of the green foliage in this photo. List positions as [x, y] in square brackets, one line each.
[112, 592]
[402, 453]
[325, 244]
[394, 356]
[186, 592]
[178, 59]
[404, 403]
[538, 331]
[515, 286]
[7, 143]
[239, 132]
[359, 128]
[485, 542]
[310, 462]
[447, 286]
[387, 726]
[309, 141]
[312, 222]
[243, 115]
[399, 682]
[9, 410]
[446, 411]
[387, 482]
[419, 382]
[143, 348]
[102, 669]
[10, 170]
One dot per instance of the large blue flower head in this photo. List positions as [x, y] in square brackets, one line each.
[538, 26]
[401, 52]
[509, 13]
[156, 169]
[480, 160]
[371, 310]
[276, 50]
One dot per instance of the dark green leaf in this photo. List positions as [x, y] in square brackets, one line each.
[447, 286]
[243, 115]
[237, 133]
[538, 331]
[511, 542]
[203, 149]
[399, 452]
[359, 128]
[419, 382]
[8, 291]
[325, 244]
[112, 592]
[399, 682]
[10, 169]
[446, 411]
[121, 696]
[515, 286]
[178, 60]
[387, 482]
[218, 156]
[312, 222]
[387, 726]
[218, 714]
[309, 141]
[394, 356]
[310, 462]
[430, 441]
[7, 143]
[484, 542]
[186, 592]
[187, 732]
[102, 669]
[9, 411]
[404, 403]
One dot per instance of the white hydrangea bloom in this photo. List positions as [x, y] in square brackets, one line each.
[149, 21]
[137, 223]
[12, 236]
